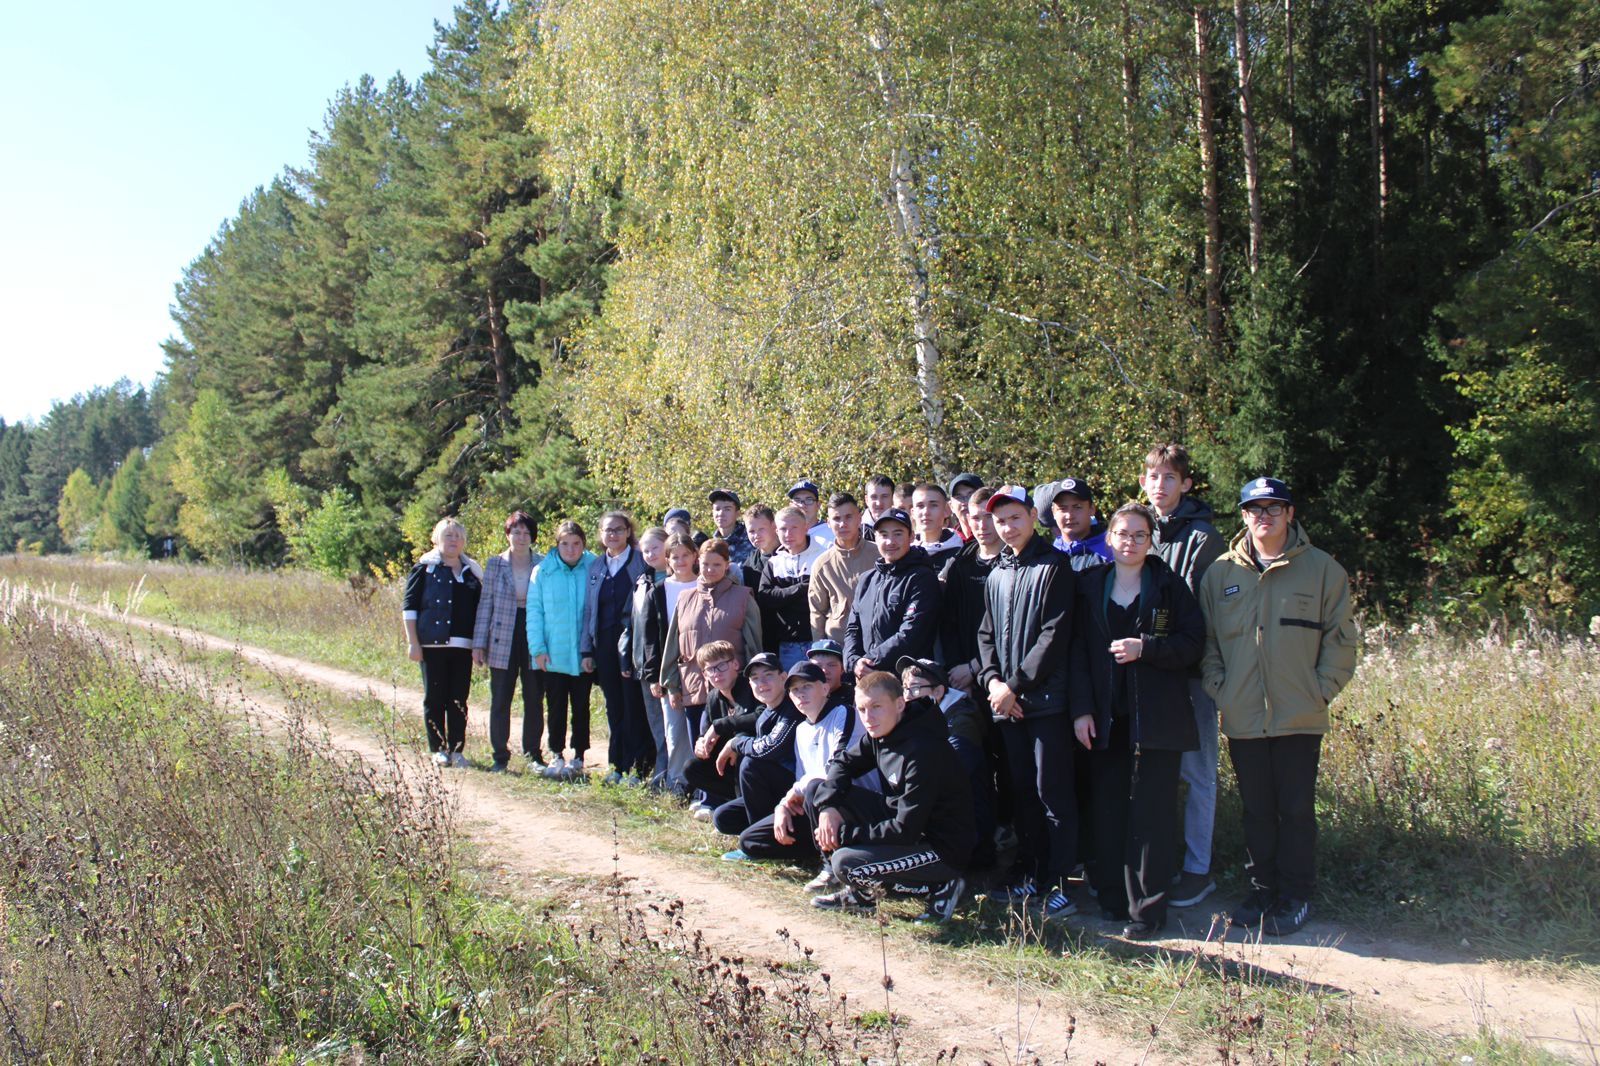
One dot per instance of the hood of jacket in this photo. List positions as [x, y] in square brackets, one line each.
[1239, 548]
[915, 558]
[1190, 510]
[433, 558]
[553, 561]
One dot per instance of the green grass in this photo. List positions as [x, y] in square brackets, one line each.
[176, 888]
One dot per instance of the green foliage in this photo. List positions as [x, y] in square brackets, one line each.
[224, 506]
[79, 512]
[122, 525]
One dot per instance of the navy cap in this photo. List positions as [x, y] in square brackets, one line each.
[825, 647]
[1042, 497]
[805, 484]
[805, 670]
[1008, 494]
[1265, 488]
[724, 494]
[926, 667]
[964, 479]
[1072, 486]
[767, 659]
[675, 514]
[893, 514]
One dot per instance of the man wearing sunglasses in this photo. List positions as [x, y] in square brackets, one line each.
[1280, 645]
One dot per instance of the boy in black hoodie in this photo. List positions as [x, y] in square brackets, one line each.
[916, 836]
[968, 730]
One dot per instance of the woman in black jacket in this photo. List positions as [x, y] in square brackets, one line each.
[1138, 630]
[440, 611]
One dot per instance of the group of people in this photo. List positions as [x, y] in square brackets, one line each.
[933, 686]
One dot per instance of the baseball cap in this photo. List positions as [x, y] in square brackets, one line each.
[825, 647]
[724, 494]
[927, 667]
[971, 479]
[1265, 488]
[767, 659]
[805, 484]
[893, 514]
[1072, 486]
[1008, 494]
[804, 670]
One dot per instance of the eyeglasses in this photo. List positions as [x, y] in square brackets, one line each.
[1259, 509]
[719, 667]
[1138, 536]
[613, 529]
[918, 690]
[803, 500]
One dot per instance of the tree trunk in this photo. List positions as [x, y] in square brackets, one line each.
[500, 352]
[918, 247]
[1247, 128]
[1377, 115]
[1130, 137]
[1288, 76]
[1208, 168]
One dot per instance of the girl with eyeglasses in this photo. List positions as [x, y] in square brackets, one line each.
[1138, 631]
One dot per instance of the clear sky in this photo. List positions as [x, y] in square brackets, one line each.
[134, 131]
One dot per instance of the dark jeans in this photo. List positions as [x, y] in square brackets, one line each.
[631, 746]
[1134, 809]
[975, 761]
[559, 690]
[701, 774]
[446, 683]
[503, 684]
[1278, 786]
[898, 869]
[1044, 800]
[762, 783]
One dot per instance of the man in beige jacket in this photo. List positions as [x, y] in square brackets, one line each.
[1280, 644]
[833, 576]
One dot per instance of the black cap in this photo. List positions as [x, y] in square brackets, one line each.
[893, 514]
[964, 479]
[724, 494]
[825, 647]
[805, 670]
[1265, 488]
[767, 659]
[805, 484]
[675, 513]
[926, 667]
[1072, 486]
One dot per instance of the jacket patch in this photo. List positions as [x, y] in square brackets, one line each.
[1231, 590]
[1163, 622]
[1308, 623]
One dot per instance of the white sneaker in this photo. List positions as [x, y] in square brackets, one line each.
[555, 771]
[441, 758]
[701, 812]
[458, 760]
[823, 882]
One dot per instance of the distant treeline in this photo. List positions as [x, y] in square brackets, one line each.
[626, 250]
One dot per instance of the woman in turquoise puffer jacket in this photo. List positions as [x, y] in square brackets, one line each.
[556, 595]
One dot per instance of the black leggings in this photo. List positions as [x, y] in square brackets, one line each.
[1135, 815]
[559, 690]
[446, 683]
[503, 683]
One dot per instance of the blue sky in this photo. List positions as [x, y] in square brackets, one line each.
[134, 131]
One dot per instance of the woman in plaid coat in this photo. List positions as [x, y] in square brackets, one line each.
[500, 639]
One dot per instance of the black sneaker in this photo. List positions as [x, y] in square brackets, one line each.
[943, 901]
[846, 899]
[1189, 889]
[1252, 908]
[1142, 931]
[498, 768]
[1287, 916]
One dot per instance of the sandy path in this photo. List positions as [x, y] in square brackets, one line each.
[1426, 987]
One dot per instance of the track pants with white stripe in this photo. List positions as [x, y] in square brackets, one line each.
[900, 869]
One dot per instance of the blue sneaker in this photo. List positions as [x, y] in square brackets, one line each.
[736, 855]
[1059, 905]
[1019, 891]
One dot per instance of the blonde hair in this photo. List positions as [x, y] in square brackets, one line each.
[445, 523]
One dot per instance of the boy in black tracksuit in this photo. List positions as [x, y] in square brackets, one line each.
[968, 730]
[916, 836]
[765, 754]
[1022, 646]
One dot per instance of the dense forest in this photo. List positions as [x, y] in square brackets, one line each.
[626, 250]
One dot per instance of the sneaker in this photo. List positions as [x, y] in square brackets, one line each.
[574, 768]
[1142, 931]
[556, 771]
[613, 778]
[1189, 889]
[823, 882]
[535, 760]
[497, 768]
[632, 780]
[458, 760]
[1059, 905]
[1019, 891]
[1251, 909]
[1286, 916]
[441, 758]
[943, 901]
[845, 899]
[736, 855]
[701, 812]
